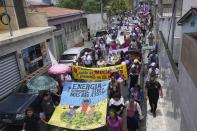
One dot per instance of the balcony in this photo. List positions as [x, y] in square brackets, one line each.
[21, 34]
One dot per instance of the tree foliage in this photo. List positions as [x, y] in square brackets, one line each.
[117, 6]
[93, 6]
[86, 5]
[72, 4]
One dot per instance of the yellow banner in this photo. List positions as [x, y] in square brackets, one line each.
[80, 118]
[103, 73]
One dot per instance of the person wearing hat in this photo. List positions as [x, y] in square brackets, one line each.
[152, 91]
[136, 63]
[153, 68]
[101, 62]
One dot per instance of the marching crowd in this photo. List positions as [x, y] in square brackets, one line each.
[122, 45]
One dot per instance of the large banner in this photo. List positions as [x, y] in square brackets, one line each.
[83, 106]
[103, 73]
[118, 50]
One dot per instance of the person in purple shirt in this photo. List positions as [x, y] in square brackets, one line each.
[114, 122]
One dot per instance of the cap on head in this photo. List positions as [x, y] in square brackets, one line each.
[136, 61]
[153, 64]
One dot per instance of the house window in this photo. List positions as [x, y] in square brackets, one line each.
[166, 9]
[33, 58]
[192, 23]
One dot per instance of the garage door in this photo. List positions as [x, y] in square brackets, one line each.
[9, 74]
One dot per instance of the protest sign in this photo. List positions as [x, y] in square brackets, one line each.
[103, 73]
[83, 106]
[75, 92]
[118, 50]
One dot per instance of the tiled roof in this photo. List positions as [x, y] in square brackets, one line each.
[54, 12]
[193, 11]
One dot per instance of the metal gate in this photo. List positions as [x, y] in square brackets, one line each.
[9, 74]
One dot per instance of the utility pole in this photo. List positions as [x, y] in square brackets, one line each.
[6, 11]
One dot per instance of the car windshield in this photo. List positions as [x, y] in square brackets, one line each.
[69, 57]
[101, 33]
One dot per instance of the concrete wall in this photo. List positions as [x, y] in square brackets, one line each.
[95, 22]
[172, 111]
[2, 26]
[12, 13]
[37, 19]
[164, 26]
[187, 28]
[22, 44]
[188, 98]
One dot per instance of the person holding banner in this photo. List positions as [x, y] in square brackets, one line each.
[114, 122]
[101, 62]
[114, 87]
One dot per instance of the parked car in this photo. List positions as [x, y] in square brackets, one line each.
[70, 55]
[101, 33]
[13, 107]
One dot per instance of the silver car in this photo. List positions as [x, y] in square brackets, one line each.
[72, 54]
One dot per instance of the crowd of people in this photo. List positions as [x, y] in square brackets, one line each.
[129, 33]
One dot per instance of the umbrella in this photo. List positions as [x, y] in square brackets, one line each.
[40, 83]
[59, 69]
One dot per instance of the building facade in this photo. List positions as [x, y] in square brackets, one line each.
[24, 54]
[188, 73]
[168, 27]
[71, 26]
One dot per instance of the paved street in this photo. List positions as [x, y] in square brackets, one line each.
[50, 74]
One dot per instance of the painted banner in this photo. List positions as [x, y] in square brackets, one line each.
[118, 50]
[97, 74]
[83, 106]
[75, 92]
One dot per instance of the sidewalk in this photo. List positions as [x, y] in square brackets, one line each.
[166, 119]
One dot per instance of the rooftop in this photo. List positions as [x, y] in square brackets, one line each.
[5, 38]
[57, 12]
[192, 11]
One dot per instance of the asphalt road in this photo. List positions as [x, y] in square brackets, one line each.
[124, 92]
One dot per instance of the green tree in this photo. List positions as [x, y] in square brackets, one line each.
[72, 4]
[117, 6]
[91, 6]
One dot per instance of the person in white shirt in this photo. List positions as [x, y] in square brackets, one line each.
[101, 62]
[117, 103]
[87, 60]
